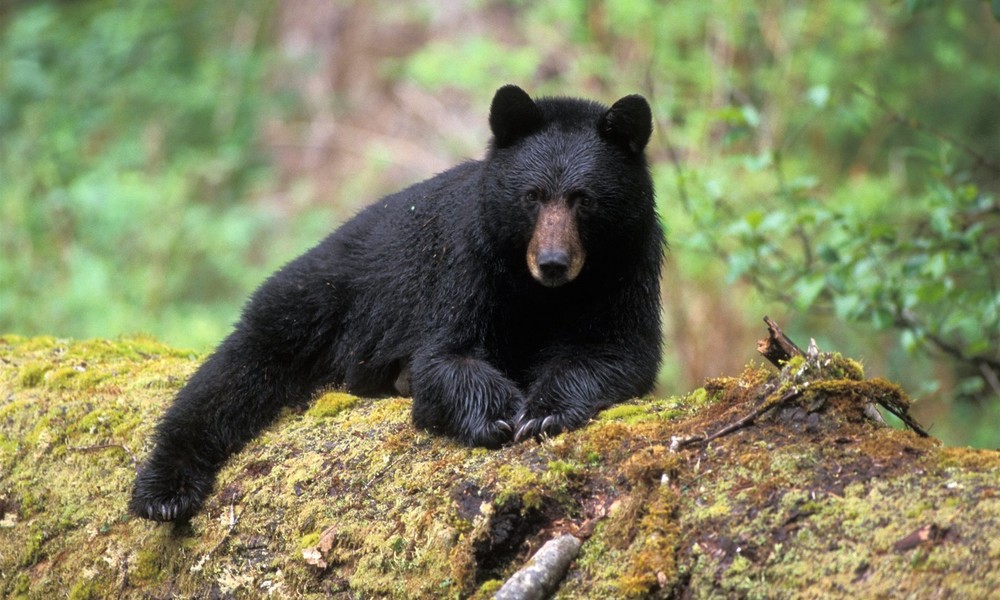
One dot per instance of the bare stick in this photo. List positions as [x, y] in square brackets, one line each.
[677, 444]
[123, 447]
[543, 572]
[777, 347]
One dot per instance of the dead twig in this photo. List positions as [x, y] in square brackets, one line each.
[680, 443]
[97, 447]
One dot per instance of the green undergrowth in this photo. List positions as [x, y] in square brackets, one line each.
[813, 499]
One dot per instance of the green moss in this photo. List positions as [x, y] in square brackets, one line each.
[561, 470]
[332, 404]
[88, 589]
[149, 565]
[410, 514]
[841, 367]
[60, 377]
[823, 366]
[32, 374]
[654, 548]
[794, 364]
[21, 587]
[31, 552]
[698, 397]
[488, 589]
[630, 413]
[517, 476]
[720, 508]
[29, 345]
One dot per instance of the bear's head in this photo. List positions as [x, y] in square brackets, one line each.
[567, 180]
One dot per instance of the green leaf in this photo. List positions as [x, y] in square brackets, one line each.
[848, 307]
[807, 290]
[756, 163]
[912, 340]
[754, 218]
[937, 266]
[750, 115]
[828, 253]
[883, 318]
[798, 184]
[739, 265]
[818, 95]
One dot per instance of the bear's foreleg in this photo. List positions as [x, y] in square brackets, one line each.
[465, 398]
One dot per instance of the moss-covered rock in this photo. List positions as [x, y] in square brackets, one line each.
[816, 500]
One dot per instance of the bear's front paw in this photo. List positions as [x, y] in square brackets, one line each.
[168, 496]
[491, 434]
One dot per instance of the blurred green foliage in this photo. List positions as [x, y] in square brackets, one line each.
[833, 161]
[128, 153]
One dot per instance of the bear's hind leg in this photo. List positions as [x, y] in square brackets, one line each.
[227, 402]
[278, 355]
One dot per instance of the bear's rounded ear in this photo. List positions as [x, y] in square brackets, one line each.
[513, 115]
[628, 123]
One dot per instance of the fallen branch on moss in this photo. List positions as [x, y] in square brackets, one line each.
[809, 379]
[99, 447]
[544, 572]
[779, 349]
[745, 421]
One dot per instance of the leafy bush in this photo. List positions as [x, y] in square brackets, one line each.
[923, 262]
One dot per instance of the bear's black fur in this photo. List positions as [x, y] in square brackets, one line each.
[514, 296]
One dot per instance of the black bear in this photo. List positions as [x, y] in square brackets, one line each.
[513, 296]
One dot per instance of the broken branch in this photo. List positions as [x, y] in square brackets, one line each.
[777, 347]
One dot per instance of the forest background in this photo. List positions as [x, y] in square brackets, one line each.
[835, 165]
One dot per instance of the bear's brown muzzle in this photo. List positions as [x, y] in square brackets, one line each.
[555, 254]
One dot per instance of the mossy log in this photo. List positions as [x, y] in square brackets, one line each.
[810, 499]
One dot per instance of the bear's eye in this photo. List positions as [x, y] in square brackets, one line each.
[579, 199]
[532, 197]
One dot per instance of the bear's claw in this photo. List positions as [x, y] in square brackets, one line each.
[168, 495]
[534, 427]
[177, 508]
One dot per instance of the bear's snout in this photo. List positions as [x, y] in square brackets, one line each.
[555, 254]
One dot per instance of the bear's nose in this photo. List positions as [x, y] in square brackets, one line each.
[554, 264]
